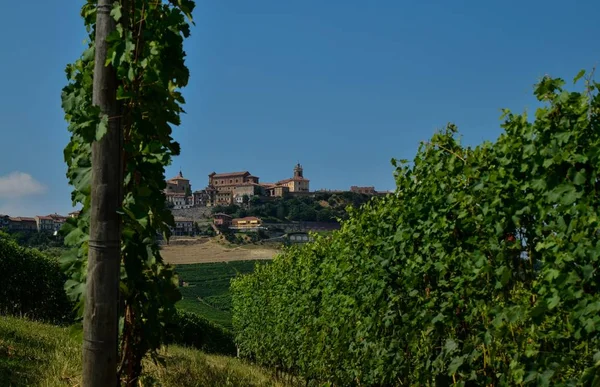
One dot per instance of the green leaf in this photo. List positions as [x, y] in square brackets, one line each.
[579, 178]
[580, 74]
[116, 11]
[455, 364]
[102, 127]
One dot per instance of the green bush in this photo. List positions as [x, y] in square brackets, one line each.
[31, 284]
[192, 330]
[482, 268]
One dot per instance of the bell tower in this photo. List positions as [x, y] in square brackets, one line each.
[298, 171]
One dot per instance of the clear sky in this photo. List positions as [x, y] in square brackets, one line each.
[340, 86]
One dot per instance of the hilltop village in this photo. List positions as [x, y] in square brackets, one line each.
[229, 188]
[247, 200]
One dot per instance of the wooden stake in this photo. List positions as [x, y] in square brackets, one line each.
[100, 321]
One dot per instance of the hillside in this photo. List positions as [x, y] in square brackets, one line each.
[36, 354]
[317, 207]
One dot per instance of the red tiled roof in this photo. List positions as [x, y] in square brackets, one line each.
[227, 174]
[45, 217]
[221, 214]
[292, 179]
[23, 219]
[56, 216]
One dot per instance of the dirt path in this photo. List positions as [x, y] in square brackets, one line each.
[204, 250]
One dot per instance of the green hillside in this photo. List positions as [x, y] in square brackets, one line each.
[207, 288]
[36, 354]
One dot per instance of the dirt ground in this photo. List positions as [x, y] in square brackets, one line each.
[204, 250]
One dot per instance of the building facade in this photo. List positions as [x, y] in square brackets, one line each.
[57, 221]
[183, 226]
[363, 190]
[247, 223]
[21, 223]
[298, 183]
[4, 221]
[222, 220]
[44, 223]
[178, 184]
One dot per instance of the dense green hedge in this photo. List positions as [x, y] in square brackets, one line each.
[193, 330]
[31, 284]
[482, 269]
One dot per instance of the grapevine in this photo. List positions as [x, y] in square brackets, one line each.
[146, 50]
[481, 269]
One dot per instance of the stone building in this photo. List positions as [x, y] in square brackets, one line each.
[363, 190]
[183, 226]
[21, 223]
[44, 223]
[178, 184]
[247, 189]
[225, 185]
[298, 183]
[179, 192]
[228, 181]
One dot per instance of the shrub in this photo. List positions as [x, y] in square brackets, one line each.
[190, 329]
[31, 284]
[482, 268]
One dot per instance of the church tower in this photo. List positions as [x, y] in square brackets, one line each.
[298, 171]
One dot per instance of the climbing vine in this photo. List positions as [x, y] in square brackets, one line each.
[146, 50]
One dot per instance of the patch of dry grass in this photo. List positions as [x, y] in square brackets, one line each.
[205, 250]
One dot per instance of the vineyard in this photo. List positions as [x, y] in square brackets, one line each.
[481, 269]
[206, 290]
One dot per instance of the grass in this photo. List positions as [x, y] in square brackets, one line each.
[207, 293]
[36, 354]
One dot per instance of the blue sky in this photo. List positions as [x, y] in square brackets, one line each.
[341, 86]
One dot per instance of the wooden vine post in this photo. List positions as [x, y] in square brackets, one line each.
[100, 321]
[121, 101]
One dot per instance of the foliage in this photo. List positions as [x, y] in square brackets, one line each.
[192, 330]
[36, 354]
[321, 207]
[146, 51]
[207, 288]
[31, 284]
[204, 230]
[482, 269]
[41, 240]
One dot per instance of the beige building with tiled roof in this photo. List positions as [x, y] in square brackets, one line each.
[298, 183]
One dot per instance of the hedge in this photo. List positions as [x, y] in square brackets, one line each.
[31, 284]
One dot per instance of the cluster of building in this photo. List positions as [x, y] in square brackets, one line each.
[235, 187]
[231, 188]
[48, 223]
